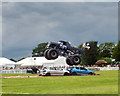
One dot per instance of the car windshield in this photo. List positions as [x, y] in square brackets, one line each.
[64, 42]
[72, 67]
[54, 68]
[82, 68]
[77, 67]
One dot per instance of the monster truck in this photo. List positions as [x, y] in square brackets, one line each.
[63, 48]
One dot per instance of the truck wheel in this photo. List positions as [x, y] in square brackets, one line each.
[53, 53]
[76, 59]
[68, 61]
[46, 54]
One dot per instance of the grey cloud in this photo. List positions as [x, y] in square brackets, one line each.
[27, 24]
[0, 30]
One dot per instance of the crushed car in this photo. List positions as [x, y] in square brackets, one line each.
[81, 71]
[53, 71]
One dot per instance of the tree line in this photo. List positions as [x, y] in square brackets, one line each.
[105, 51]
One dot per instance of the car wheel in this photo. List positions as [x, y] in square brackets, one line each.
[76, 59]
[94, 74]
[66, 74]
[53, 53]
[90, 73]
[46, 54]
[48, 74]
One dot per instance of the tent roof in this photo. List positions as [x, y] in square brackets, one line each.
[38, 61]
[34, 61]
[5, 61]
[101, 62]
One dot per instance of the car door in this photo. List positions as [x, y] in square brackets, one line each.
[77, 70]
[83, 71]
[52, 71]
[55, 71]
[59, 71]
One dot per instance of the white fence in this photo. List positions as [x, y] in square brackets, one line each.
[103, 68]
[13, 71]
[109, 68]
[25, 70]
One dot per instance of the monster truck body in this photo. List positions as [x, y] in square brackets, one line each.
[63, 48]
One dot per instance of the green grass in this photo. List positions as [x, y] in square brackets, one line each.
[28, 74]
[106, 83]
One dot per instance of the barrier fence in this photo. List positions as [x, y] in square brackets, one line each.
[13, 71]
[25, 70]
[103, 68]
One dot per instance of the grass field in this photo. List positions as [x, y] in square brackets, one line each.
[105, 83]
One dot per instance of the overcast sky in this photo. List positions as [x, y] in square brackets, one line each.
[25, 25]
[0, 29]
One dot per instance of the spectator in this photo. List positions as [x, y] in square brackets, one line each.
[119, 66]
[34, 69]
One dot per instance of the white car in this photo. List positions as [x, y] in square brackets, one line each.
[53, 71]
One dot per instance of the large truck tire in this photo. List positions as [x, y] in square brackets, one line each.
[76, 59]
[46, 54]
[69, 61]
[53, 54]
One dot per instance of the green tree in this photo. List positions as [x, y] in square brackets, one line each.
[106, 49]
[89, 57]
[116, 52]
[108, 60]
[39, 50]
[80, 46]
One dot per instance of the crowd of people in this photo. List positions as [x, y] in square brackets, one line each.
[39, 67]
